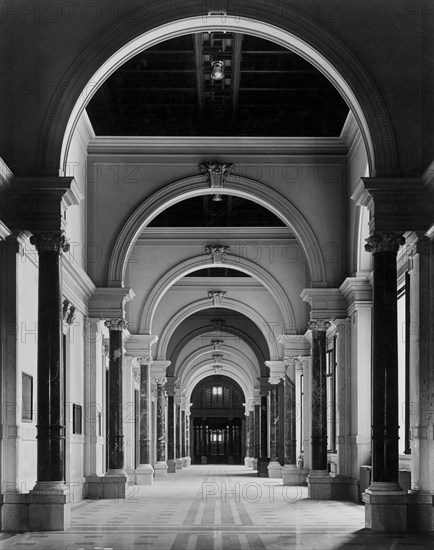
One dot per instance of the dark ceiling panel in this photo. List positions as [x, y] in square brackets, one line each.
[267, 90]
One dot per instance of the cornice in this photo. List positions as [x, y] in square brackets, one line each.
[4, 231]
[351, 134]
[78, 286]
[177, 235]
[201, 283]
[229, 146]
[6, 174]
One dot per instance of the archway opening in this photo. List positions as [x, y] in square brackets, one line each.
[217, 420]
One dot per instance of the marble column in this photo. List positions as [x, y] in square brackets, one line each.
[50, 397]
[178, 455]
[385, 460]
[256, 420]
[50, 438]
[319, 329]
[247, 457]
[274, 466]
[183, 433]
[289, 470]
[161, 464]
[263, 446]
[144, 470]
[115, 437]
[171, 464]
[187, 434]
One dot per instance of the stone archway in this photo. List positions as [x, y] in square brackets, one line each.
[266, 19]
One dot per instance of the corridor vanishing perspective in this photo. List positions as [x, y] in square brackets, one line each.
[215, 508]
[216, 274]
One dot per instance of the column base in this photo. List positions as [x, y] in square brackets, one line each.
[186, 461]
[420, 512]
[248, 462]
[292, 476]
[171, 466]
[179, 463]
[144, 474]
[322, 486]
[255, 463]
[274, 470]
[385, 507]
[46, 508]
[160, 469]
[263, 466]
[106, 487]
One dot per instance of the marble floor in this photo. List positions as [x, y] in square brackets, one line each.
[215, 508]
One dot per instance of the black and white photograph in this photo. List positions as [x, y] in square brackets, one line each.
[216, 274]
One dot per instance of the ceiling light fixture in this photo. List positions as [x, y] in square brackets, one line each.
[217, 72]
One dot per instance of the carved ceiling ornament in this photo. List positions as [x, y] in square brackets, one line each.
[217, 344]
[384, 242]
[216, 172]
[68, 312]
[217, 296]
[217, 252]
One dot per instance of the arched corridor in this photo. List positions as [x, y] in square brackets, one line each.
[215, 508]
[216, 272]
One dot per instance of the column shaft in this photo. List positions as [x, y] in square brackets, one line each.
[115, 406]
[385, 465]
[161, 434]
[274, 419]
[145, 413]
[290, 418]
[170, 428]
[264, 430]
[319, 395]
[50, 408]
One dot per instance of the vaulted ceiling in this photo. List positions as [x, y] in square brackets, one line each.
[267, 90]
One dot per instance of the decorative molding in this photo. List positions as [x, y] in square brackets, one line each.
[173, 145]
[229, 303]
[50, 241]
[217, 297]
[278, 204]
[384, 242]
[217, 253]
[199, 262]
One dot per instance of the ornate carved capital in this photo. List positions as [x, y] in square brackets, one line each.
[217, 252]
[144, 360]
[217, 296]
[296, 361]
[116, 324]
[319, 325]
[216, 172]
[384, 242]
[160, 381]
[274, 381]
[50, 241]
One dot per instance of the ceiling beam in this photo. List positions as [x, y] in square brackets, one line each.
[236, 71]
[200, 80]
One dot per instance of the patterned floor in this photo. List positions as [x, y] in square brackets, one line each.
[214, 508]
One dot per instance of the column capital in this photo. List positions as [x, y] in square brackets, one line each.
[320, 325]
[275, 380]
[144, 360]
[116, 324]
[384, 242]
[160, 381]
[50, 241]
[277, 370]
[158, 368]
